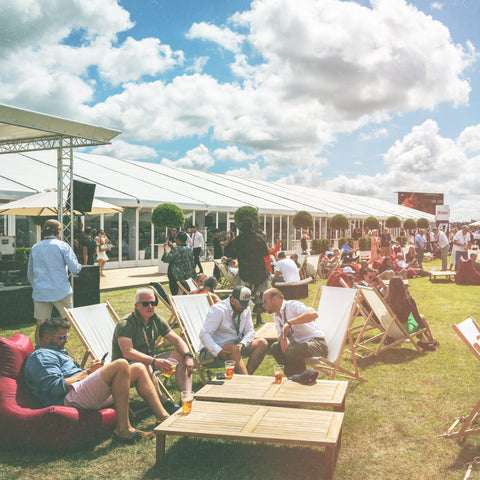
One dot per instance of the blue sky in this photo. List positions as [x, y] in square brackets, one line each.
[362, 97]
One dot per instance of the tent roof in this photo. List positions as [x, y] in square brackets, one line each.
[25, 130]
[141, 184]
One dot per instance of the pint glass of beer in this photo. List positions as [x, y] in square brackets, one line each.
[168, 372]
[278, 373]
[229, 368]
[187, 400]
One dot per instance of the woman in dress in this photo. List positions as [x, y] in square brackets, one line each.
[374, 248]
[405, 308]
[102, 256]
[453, 254]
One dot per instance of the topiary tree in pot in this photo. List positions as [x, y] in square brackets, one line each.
[423, 223]
[393, 222]
[409, 224]
[339, 222]
[371, 223]
[303, 219]
[246, 216]
[168, 215]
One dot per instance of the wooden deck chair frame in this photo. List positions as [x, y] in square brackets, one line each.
[329, 269]
[188, 333]
[302, 270]
[191, 284]
[227, 277]
[171, 318]
[337, 332]
[469, 332]
[96, 342]
[389, 325]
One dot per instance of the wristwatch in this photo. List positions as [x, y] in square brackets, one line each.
[188, 354]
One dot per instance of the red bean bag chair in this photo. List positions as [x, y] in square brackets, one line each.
[467, 274]
[23, 422]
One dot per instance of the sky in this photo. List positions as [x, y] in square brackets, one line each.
[362, 97]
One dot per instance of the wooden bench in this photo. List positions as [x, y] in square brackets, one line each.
[439, 274]
[257, 423]
[260, 389]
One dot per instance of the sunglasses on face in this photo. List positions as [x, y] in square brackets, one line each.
[153, 303]
[62, 338]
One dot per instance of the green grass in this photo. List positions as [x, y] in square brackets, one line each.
[391, 426]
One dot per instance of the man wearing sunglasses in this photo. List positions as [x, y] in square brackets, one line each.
[55, 378]
[135, 336]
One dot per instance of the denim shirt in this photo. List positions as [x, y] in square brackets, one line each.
[45, 371]
[47, 269]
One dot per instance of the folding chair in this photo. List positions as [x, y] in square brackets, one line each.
[336, 313]
[191, 311]
[469, 332]
[302, 270]
[162, 297]
[226, 281]
[95, 325]
[378, 315]
[191, 286]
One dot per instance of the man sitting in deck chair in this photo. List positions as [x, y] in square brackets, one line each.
[228, 333]
[298, 335]
[54, 378]
[134, 339]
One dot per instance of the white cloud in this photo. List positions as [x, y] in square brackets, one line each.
[222, 36]
[198, 65]
[370, 186]
[469, 139]
[129, 151]
[373, 135]
[425, 159]
[436, 6]
[310, 176]
[232, 154]
[133, 59]
[254, 170]
[198, 158]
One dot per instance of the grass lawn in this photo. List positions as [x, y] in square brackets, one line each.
[391, 426]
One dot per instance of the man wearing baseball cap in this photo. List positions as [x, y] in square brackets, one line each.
[228, 333]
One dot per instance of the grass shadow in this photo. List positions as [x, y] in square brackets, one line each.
[219, 459]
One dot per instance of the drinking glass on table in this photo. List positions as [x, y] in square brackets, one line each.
[187, 400]
[278, 373]
[168, 372]
[229, 368]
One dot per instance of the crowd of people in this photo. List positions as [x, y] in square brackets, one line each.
[228, 331]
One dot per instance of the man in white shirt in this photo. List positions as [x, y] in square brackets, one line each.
[198, 245]
[443, 245]
[228, 333]
[298, 335]
[462, 240]
[286, 270]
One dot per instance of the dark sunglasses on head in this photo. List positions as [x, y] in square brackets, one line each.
[153, 303]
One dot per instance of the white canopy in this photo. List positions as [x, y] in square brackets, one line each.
[45, 204]
[142, 184]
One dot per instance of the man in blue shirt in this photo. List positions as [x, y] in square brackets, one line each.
[419, 247]
[48, 266]
[56, 379]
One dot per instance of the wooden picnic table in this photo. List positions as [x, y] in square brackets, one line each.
[267, 331]
[259, 423]
[261, 389]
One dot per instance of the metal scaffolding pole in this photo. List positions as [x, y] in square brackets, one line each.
[65, 189]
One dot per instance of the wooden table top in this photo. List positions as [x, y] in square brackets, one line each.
[267, 331]
[260, 389]
[255, 422]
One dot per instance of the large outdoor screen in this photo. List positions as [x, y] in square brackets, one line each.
[424, 202]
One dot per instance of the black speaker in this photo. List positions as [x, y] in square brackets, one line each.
[86, 286]
[83, 194]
